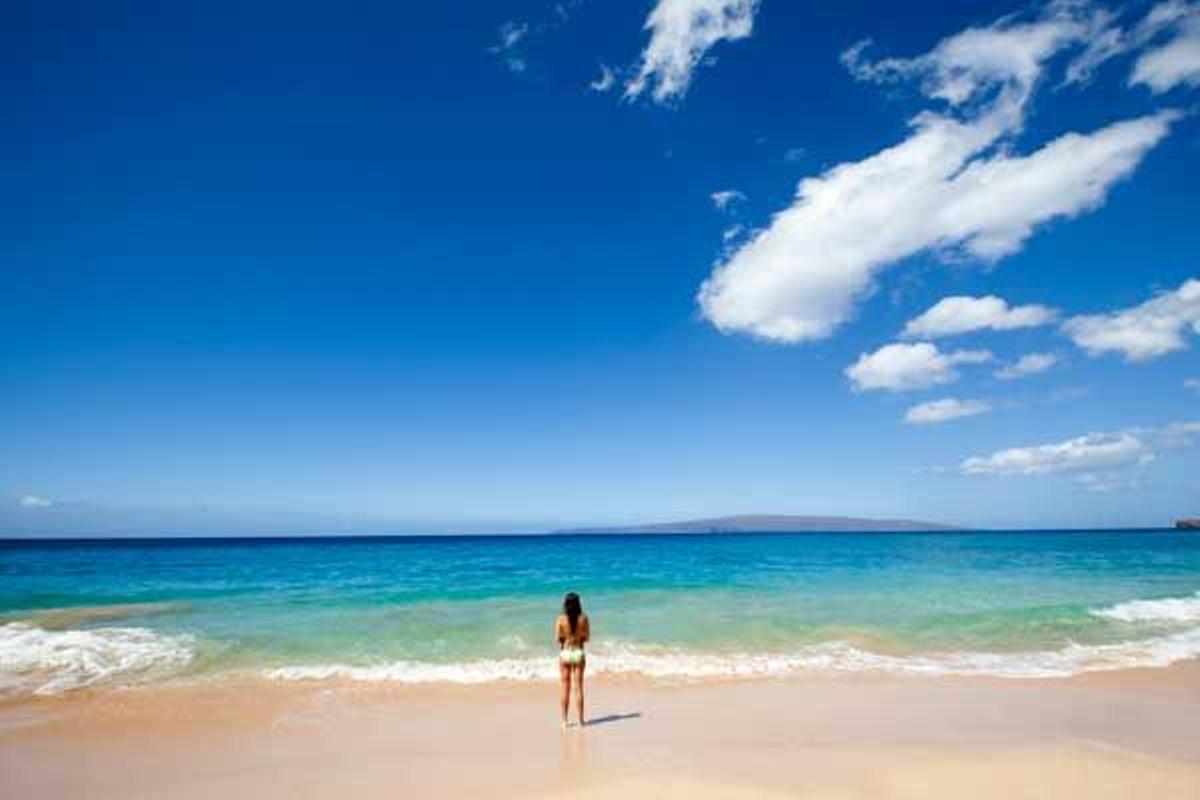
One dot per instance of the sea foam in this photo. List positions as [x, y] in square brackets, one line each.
[830, 657]
[39, 661]
[1165, 610]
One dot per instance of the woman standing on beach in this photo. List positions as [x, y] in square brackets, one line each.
[572, 630]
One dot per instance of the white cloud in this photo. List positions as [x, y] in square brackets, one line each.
[681, 32]
[1084, 453]
[1192, 383]
[1028, 364]
[944, 410]
[963, 66]
[954, 186]
[606, 81]
[723, 199]
[793, 154]
[1103, 41]
[902, 367]
[1168, 39]
[33, 501]
[952, 315]
[1100, 456]
[1177, 60]
[1152, 329]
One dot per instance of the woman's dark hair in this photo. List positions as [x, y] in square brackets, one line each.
[572, 608]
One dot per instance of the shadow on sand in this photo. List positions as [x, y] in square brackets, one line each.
[613, 718]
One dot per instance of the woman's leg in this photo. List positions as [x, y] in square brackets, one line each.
[564, 674]
[578, 670]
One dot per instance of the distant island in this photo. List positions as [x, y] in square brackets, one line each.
[771, 523]
[1192, 524]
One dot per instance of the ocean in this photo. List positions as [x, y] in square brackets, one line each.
[663, 607]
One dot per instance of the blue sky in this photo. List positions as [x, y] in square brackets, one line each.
[504, 266]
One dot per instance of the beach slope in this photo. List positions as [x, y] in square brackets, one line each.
[1104, 735]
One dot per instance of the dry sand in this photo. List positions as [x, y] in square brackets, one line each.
[1114, 735]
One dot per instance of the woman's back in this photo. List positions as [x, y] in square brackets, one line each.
[576, 638]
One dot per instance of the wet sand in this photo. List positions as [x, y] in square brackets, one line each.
[1106, 735]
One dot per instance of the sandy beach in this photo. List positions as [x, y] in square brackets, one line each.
[1105, 735]
[823, 381]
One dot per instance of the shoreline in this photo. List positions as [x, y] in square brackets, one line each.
[59, 659]
[1110, 734]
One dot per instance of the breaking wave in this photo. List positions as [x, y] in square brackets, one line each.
[38, 661]
[831, 657]
[1165, 610]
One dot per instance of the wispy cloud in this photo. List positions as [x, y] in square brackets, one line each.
[944, 410]
[1192, 383]
[726, 198]
[507, 47]
[1028, 364]
[681, 33]
[732, 233]
[1108, 482]
[1167, 39]
[901, 367]
[1176, 61]
[513, 36]
[1091, 453]
[606, 81]
[954, 187]
[1154, 328]
[34, 501]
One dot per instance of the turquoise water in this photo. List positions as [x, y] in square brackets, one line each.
[688, 607]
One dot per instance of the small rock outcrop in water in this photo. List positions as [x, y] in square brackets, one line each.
[772, 523]
[1192, 524]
